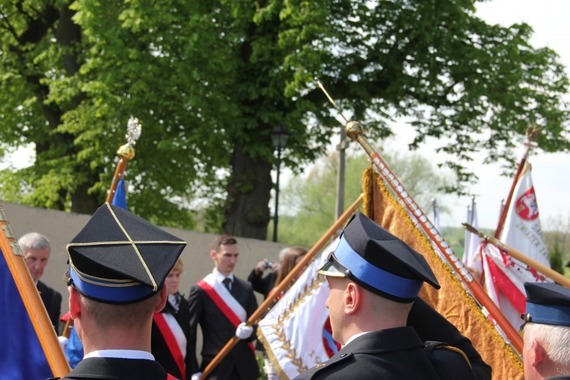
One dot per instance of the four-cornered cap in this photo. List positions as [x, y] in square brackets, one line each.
[379, 261]
[547, 303]
[119, 257]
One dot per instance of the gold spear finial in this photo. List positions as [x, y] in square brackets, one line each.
[133, 133]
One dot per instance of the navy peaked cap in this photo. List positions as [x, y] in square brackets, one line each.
[547, 303]
[379, 261]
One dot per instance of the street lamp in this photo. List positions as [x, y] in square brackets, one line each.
[279, 137]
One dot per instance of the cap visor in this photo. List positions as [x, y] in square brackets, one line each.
[333, 268]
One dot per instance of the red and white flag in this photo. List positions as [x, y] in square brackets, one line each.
[504, 275]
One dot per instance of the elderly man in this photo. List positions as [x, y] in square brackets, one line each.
[546, 351]
[36, 249]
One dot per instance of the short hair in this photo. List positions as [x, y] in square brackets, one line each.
[106, 314]
[554, 339]
[34, 240]
[223, 240]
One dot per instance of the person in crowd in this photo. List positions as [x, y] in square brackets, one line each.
[170, 328]
[290, 257]
[221, 303]
[374, 278]
[118, 264]
[36, 249]
[262, 277]
[546, 351]
[70, 342]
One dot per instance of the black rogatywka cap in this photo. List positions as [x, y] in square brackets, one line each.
[379, 261]
[121, 258]
[547, 303]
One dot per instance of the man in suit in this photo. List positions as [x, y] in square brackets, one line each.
[546, 351]
[221, 303]
[118, 264]
[36, 249]
[374, 278]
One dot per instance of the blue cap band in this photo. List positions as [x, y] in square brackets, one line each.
[549, 314]
[110, 291]
[372, 275]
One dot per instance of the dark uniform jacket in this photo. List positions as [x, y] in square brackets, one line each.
[117, 369]
[159, 348]
[52, 301]
[217, 330]
[432, 326]
[396, 353]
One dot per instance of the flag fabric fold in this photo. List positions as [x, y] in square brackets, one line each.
[21, 354]
[296, 332]
[472, 255]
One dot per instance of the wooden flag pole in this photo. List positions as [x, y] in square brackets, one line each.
[531, 134]
[516, 254]
[31, 299]
[285, 284]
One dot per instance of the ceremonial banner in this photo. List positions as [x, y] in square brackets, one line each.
[452, 300]
[21, 354]
[295, 332]
[504, 275]
[522, 229]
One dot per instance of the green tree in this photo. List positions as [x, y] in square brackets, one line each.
[308, 206]
[209, 81]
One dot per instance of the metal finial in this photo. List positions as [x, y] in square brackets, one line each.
[133, 133]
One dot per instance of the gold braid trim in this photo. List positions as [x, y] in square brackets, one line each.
[277, 328]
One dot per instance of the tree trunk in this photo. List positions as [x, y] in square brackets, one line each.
[246, 211]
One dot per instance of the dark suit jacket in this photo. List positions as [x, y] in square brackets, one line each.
[117, 369]
[217, 330]
[396, 353]
[159, 348]
[52, 301]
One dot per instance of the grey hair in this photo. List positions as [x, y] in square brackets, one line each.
[33, 240]
[554, 339]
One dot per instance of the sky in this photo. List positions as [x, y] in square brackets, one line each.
[550, 172]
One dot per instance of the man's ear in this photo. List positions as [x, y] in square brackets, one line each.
[74, 302]
[162, 298]
[538, 354]
[352, 298]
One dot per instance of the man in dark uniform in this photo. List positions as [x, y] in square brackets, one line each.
[221, 303]
[374, 278]
[546, 351]
[117, 267]
[36, 249]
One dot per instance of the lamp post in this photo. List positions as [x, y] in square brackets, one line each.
[279, 137]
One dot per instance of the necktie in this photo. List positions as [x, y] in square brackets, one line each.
[228, 283]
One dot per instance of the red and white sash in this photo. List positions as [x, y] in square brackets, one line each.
[223, 299]
[171, 342]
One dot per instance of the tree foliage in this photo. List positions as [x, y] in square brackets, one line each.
[210, 80]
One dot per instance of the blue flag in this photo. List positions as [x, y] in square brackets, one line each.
[120, 197]
[21, 355]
